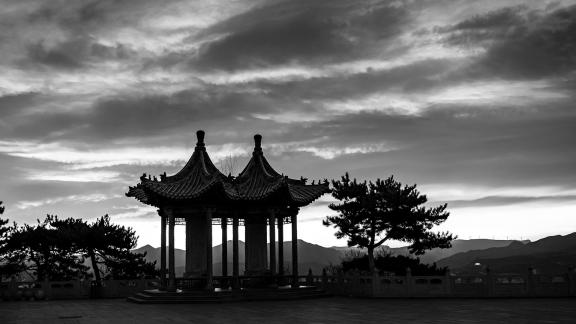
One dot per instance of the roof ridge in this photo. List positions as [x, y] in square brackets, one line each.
[257, 181]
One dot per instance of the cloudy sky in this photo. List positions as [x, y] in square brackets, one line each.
[471, 100]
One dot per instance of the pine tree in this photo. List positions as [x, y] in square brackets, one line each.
[371, 213]
[107, 246]
[7, 267]
[48, 253]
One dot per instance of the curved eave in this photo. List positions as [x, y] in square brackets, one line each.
[303, 195]
[282, 190]
[138, 193]
[286, 190]
[188, 188]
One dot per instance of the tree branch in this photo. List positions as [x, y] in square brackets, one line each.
[381, 241]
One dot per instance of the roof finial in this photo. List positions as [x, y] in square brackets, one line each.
[200, 136]
[257, 142]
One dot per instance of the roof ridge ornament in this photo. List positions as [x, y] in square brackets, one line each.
[257, 143]
[200, 136]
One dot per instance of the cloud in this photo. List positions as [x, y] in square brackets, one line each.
[458, 94]
[76, 53]
[97, 197]
[79, 160]
[133, 212]
[520, 43]
[323, 148]
[494, 201]
[74, 176]
[11, 104]
[317, 32]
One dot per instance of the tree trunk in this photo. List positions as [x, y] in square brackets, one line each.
[40, 273]
[42, 266]
[95, 268]
[371, 265]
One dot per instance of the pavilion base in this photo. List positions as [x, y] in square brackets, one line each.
[217, 296]
[259, 279]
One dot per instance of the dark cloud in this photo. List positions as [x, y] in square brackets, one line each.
[521, 43]
[301, 31]
[119, 117]
[14, 103]
[86, 17]
[420, 76]
[497, 147]
[75, 53]
[59, 58]
[70, 35]
[470, 144]
[16, 189]
[501, 24]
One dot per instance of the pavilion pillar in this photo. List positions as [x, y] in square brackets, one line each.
[171, 260]
[162, 251]
[196, 247]
[235, 257]
[224, 246]
[272, 229]
[280, 221]
[209, 274]
[294, 251]
[256, 245]
[188, 272]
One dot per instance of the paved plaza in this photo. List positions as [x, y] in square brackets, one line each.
[327, 310]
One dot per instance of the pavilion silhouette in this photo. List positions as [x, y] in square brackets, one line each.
[200, 196]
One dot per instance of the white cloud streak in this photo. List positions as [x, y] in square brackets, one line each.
[77, 199]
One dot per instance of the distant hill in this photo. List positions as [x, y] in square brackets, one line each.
[311, 256]
[552, 254]
[316, 257]
[434, 255]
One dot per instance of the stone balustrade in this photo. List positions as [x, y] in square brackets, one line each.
[452, 286]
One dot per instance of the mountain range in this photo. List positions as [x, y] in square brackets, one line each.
[549, 255]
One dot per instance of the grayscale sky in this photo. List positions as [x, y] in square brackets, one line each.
[474, 101]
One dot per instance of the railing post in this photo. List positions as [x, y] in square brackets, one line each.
[309, 278]
[447, 284]
[409, 282]
[375, 284]
[48, 289]
[572, 281]
[530, 283]
[489, 285]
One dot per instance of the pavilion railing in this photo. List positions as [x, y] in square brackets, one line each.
[357, 285]
[73, 289]
[476, 286]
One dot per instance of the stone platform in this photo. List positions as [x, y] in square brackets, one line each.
[333, 310]
[218, 296]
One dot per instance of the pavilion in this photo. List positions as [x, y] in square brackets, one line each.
[200, 196]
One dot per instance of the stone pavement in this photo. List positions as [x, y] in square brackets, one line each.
[326, 310]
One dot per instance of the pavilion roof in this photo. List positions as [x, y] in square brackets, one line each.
[197, 177]
[200, 178]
